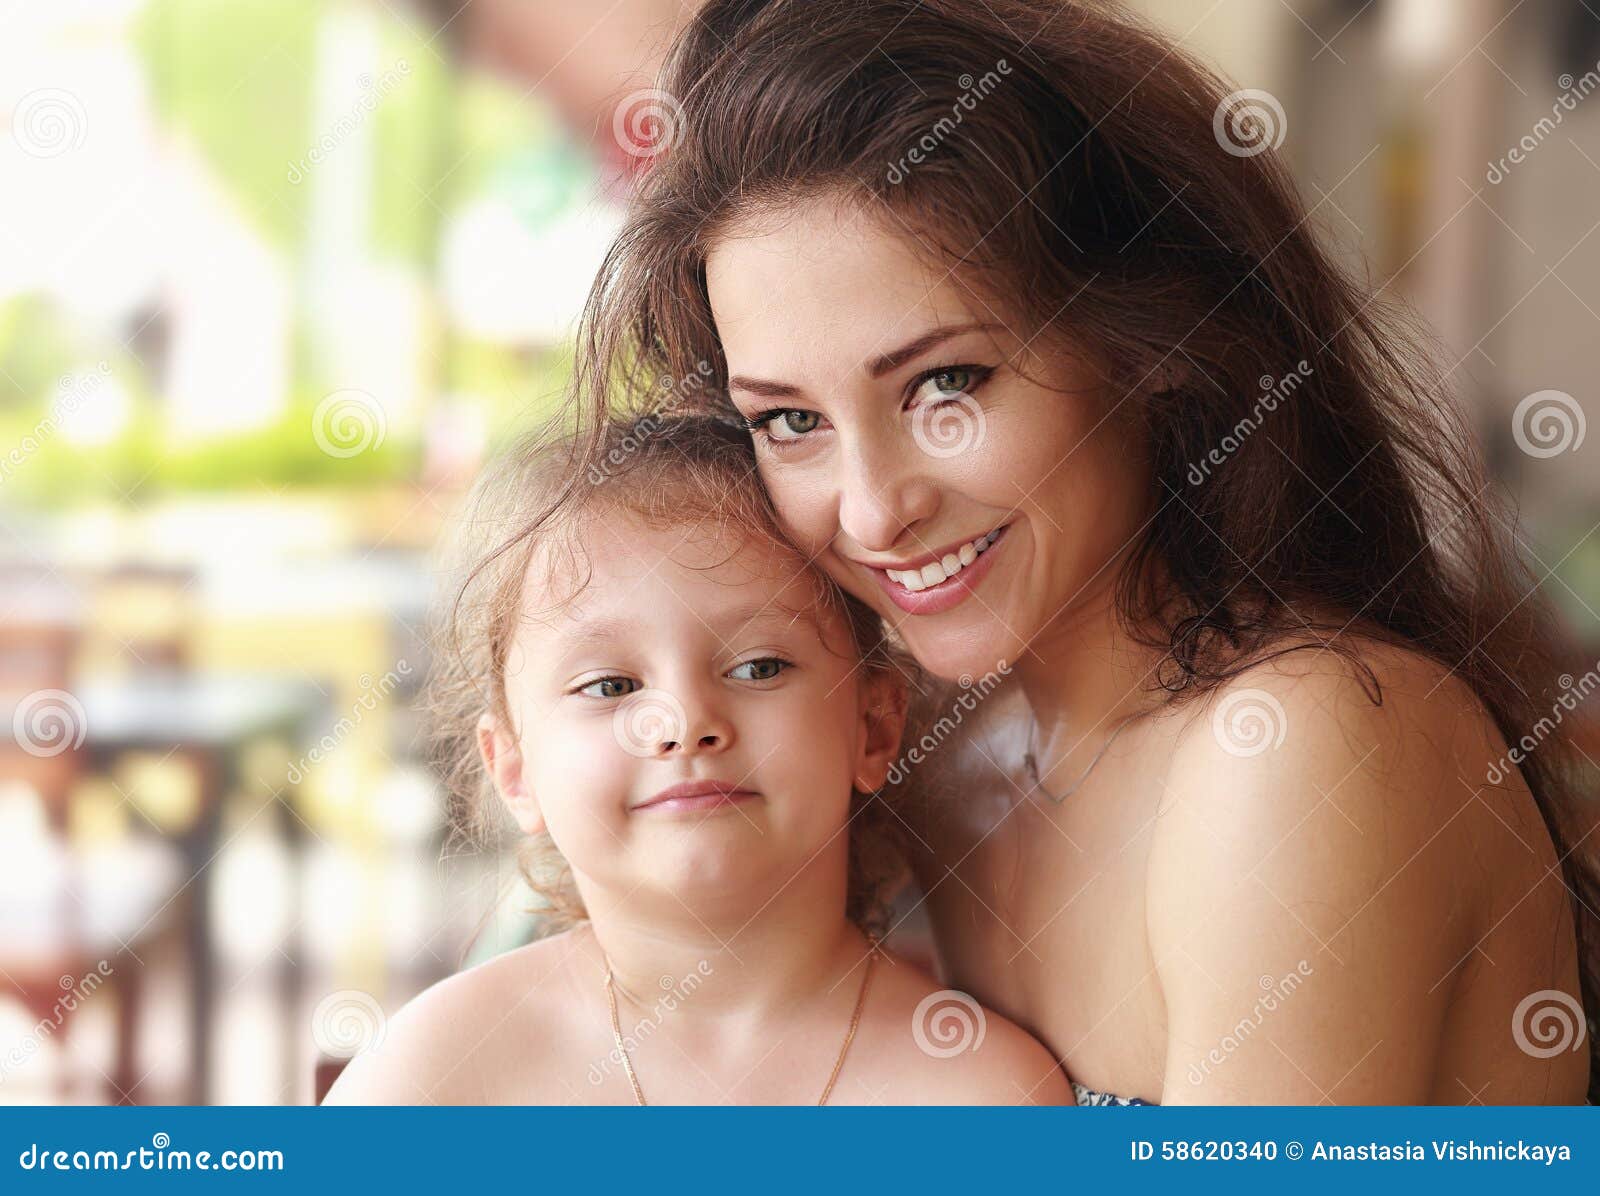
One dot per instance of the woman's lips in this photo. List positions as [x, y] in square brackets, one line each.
[948, 593]
[695, 796]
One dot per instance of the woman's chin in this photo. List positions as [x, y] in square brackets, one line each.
[961, 659]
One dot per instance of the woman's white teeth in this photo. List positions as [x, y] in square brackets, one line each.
[935, 572]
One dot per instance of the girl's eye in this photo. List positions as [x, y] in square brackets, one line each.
[610, 687]
[764, 669]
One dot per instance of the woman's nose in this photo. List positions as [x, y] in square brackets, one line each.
[883, 494]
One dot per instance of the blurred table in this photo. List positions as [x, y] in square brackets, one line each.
[206, 720]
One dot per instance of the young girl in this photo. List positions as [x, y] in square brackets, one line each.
[701, 725]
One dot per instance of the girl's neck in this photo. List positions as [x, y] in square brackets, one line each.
[756, 963]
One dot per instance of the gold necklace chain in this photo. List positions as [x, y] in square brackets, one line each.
[849, 1035]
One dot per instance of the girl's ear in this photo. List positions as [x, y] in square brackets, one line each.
[883, 722]
[502, 757]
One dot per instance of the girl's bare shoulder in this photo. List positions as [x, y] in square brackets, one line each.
[449, 1044]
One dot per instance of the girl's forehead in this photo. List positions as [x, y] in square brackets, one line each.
[623, 564]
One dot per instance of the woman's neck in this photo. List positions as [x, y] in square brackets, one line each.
[1083, 675]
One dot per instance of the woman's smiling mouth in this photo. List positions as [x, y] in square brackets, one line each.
[942, 580]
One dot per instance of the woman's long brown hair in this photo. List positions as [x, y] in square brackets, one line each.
[1069, 162]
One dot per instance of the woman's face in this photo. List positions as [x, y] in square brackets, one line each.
[971, 506]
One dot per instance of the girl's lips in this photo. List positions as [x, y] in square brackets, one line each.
[695, 796]
[951, 592]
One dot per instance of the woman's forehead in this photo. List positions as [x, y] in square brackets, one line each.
[809, 292]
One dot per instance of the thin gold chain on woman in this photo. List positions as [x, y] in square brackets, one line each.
[849, 1035]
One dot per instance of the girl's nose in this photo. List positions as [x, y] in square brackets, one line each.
[704, 728]
[883, 495]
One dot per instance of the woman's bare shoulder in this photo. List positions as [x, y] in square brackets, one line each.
[938, 1046]
[444, 1046]
[1316, 814]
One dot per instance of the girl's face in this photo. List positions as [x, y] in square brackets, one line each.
[691, 724]
[968, 505]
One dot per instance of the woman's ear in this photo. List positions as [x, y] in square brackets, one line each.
[883, 722]
[502, 757]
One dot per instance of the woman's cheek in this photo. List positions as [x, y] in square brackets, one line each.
[804, 502]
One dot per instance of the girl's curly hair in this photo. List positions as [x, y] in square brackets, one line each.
[524, 514]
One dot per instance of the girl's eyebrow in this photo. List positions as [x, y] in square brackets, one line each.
[880, 365]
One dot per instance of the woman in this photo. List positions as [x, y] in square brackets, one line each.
[1041, 360]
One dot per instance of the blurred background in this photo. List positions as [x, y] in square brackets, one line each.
[275, 275]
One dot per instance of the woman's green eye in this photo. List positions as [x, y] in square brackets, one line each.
[790, 424]
[759, 670]
[953, 381]
[610, 687]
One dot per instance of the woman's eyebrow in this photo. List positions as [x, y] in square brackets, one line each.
[880, 365]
